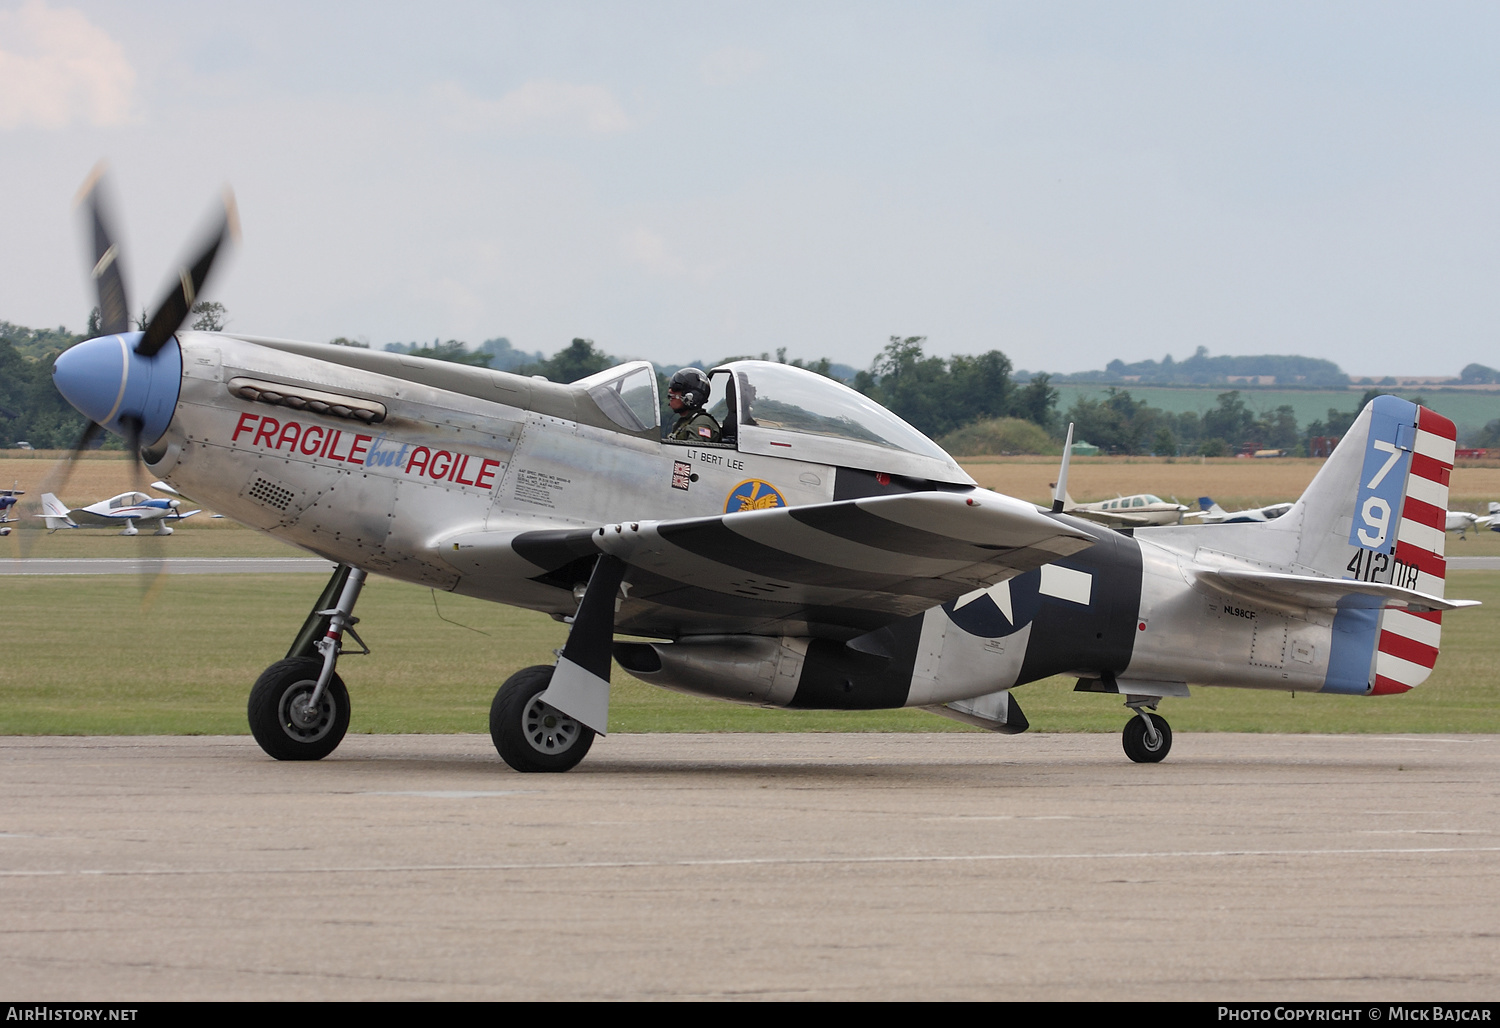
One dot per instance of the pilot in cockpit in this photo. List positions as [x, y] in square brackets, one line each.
[687, 395]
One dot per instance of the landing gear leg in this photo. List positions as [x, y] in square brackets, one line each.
[299, 708]
[1147, 736]
[545, 719]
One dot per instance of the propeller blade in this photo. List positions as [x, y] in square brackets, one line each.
[108, 270]
[56, 479]
[153, 567]
[132, 425]
[178, 303]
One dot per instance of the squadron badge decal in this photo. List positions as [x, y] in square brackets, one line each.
[753, 494]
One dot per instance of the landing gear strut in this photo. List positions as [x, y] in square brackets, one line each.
[1147, 736]
[299, 708]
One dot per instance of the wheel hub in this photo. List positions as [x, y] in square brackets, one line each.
[548, 729]
[304, 714]
[300, 719]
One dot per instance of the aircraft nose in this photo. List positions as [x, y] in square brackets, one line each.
[107, 381]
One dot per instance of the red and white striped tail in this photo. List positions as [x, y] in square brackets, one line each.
[1409, 641]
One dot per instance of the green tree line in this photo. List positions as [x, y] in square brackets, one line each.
[958, 400]
[31, 409]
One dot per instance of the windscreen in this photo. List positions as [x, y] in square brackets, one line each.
[779, 396]
[626, 395]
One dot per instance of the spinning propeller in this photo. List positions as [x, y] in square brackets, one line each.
[122, 381]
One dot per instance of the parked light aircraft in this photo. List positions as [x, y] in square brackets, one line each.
[125, 509]
[1210, 513]
[1462, 521]
[825, 554]
[8, 501]
[1137, 511]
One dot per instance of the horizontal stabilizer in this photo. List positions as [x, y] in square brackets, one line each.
[1329, 593]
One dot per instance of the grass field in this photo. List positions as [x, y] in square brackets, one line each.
[82, 657]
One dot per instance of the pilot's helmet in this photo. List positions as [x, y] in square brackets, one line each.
[692, 384]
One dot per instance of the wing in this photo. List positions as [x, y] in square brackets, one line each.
[1112, 518]
[831, 570]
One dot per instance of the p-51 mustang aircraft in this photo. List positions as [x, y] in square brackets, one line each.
[125, 509]
[824, 554]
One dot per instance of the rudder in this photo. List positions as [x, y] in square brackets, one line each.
[55, 511]
[1376, 512]
[1409, 640]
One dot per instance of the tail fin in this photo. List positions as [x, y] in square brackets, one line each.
[55, 511]
[1206, 503]
[1376, 512]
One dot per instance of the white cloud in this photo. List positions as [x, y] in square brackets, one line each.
[541, 105]
[730, 65]
[57, 67]
[649, 250]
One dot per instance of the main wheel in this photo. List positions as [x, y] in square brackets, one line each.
[281, 720]
[1138, 745]
[530, 734]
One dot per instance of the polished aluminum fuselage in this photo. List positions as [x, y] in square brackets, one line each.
[463, 460]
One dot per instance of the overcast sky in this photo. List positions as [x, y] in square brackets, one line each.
[1069, 183]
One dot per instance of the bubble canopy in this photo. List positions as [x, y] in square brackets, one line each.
[785, 411]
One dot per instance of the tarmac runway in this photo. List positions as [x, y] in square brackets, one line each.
[837, 867]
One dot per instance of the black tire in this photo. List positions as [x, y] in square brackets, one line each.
[529, 734]
[278, 730]
[1138, 747]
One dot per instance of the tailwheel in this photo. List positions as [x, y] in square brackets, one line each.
[284, 721]
[532, 735]
[1147, 738]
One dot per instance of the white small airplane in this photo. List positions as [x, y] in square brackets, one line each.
[126, 509]
[1462, 521]
[7, 501]
[1138, 511]
[1212, 514]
